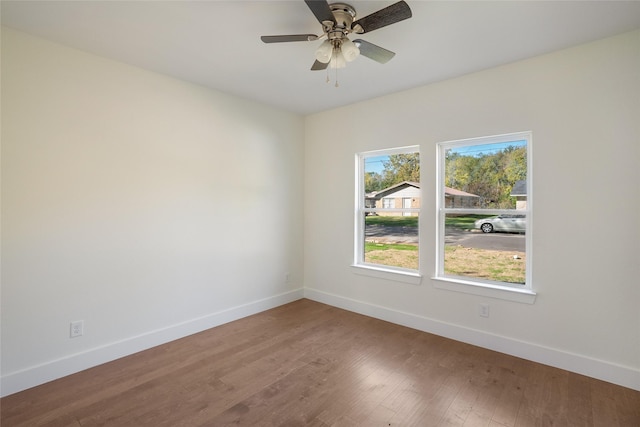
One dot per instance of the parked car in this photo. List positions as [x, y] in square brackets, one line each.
[507, 222]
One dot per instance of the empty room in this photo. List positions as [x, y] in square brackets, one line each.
[270, 213]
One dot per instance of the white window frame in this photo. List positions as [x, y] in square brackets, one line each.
[359, 265]
[502, 290]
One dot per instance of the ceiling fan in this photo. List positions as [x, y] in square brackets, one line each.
[337, 21]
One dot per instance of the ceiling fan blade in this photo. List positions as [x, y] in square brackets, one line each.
[321, 10]
[374, 52]
[289, 38]
[389, 15]
[319, 66]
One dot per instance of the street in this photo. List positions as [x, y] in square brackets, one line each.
[494, 241]
[453, 236]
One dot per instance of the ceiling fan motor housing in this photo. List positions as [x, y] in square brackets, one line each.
[344, 15]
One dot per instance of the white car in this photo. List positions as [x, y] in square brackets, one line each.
[506, 222]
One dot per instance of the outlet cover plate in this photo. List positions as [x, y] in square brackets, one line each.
[484, 310]
[77, 329]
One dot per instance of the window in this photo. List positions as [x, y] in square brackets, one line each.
[387, 210]
[484, 213]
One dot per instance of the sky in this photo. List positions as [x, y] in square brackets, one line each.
[376, 164]
[476, 150]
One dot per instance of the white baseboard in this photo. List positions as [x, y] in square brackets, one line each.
[602, 370]
[36, 375]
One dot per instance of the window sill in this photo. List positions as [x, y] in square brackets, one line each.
[404, 276]
[525, 296]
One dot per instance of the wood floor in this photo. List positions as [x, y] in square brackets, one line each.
[307, 363]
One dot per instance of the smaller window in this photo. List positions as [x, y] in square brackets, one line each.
[387, 210]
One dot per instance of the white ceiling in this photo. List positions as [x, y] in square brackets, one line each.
[217, 43]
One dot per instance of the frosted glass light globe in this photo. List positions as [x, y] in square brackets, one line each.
[349, 50]
[324, 52]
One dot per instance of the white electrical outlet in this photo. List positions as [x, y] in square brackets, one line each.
[77, 329]
[484, 310]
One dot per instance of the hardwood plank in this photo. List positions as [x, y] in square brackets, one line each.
[509, 402]
[307, 363]
[579, 398]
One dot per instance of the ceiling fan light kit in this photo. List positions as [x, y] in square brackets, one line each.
[337, 52]
[337, 20]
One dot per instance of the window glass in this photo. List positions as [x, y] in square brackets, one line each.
[389, 199]
[484, 210]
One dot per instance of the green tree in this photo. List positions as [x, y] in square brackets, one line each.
[458, 170]
[373, 182]
[488, 175]
[401, 167]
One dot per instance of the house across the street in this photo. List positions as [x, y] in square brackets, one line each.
[406, 194]
[454, 198]
[519, 191]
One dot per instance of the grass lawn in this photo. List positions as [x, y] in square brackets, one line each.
[464, 222]
[392, 254]
[394, 221]
[485, 264]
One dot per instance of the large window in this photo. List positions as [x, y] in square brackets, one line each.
[484, 212]
[388, 200]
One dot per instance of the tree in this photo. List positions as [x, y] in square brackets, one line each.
[401, 167]
[488, 175]
[372, 182]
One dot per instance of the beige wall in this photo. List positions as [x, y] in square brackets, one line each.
[583, 107]
[148, 207]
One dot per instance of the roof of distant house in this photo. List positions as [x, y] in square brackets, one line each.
[391, 189]
[519, 188]
[448, 191]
